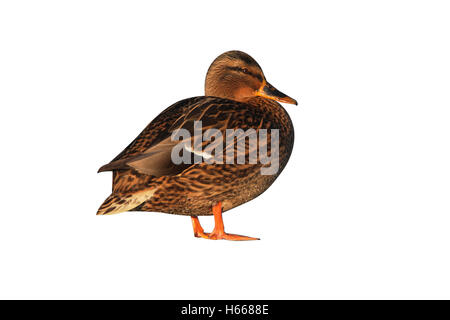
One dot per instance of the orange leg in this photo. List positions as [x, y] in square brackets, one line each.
[219, 229]
[198, 230]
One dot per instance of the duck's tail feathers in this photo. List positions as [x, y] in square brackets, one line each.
[121, 202]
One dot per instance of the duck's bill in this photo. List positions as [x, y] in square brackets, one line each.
[270, 92]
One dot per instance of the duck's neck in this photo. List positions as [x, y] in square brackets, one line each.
[228, 92]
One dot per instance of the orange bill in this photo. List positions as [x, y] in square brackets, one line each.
[270, 92]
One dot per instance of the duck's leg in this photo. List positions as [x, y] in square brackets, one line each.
[219, 229]
[198, 230]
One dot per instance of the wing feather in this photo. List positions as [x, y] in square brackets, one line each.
[150, 152]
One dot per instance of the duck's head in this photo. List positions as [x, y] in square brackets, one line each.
[237, 76]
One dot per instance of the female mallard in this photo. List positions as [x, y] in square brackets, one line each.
[237, 96]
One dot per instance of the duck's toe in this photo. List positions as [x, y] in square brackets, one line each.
[228, 236]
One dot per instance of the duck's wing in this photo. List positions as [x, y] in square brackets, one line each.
[150, 153]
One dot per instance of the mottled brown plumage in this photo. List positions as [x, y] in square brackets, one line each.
[237, 97]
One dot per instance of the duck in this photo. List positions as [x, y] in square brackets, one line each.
[238, 102]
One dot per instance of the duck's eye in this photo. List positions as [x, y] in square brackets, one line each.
[244, 70]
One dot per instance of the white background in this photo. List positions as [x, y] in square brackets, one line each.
[361, 210]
